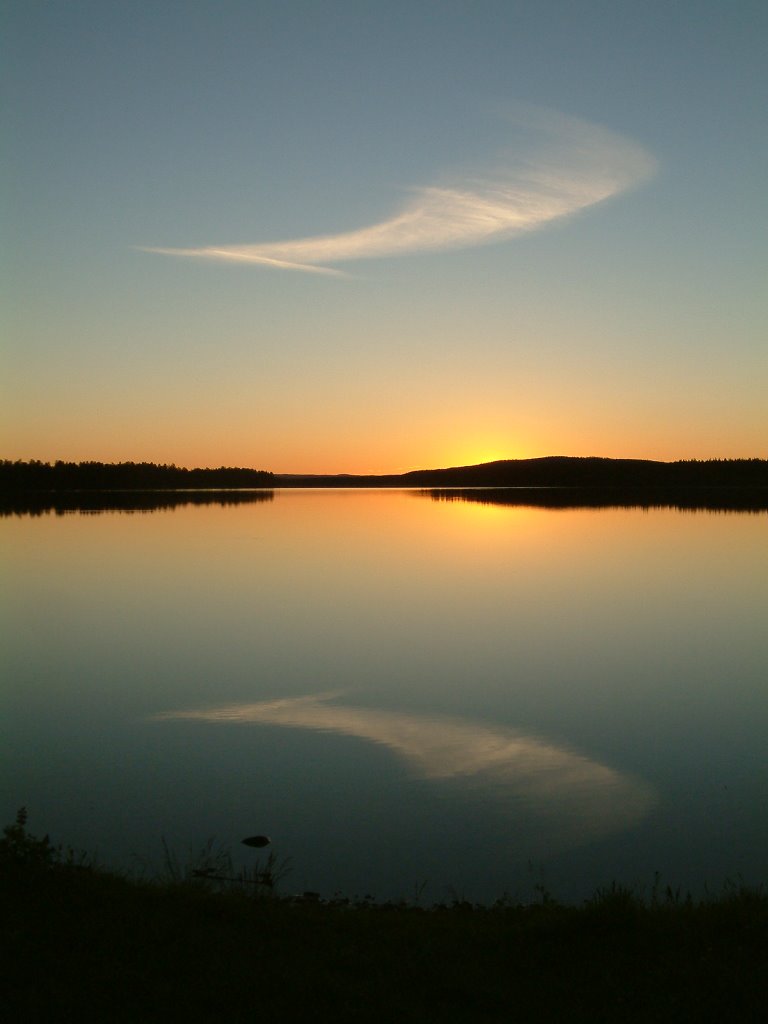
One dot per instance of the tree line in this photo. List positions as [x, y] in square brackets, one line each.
[557, 471]
[636, 475]
[104, 476]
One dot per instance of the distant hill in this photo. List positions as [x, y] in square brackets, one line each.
[562, 471]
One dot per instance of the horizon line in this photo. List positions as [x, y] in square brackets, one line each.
[369, 474]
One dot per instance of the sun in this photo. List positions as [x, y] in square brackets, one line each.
[473, 444]
[477, 454]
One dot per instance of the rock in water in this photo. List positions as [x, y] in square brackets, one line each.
[257, 841]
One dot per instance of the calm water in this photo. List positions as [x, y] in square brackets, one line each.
[404, 693]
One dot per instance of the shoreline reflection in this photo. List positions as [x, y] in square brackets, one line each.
[603, 498]
[93, 502]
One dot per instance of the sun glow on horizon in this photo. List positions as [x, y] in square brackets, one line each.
[479, 457]
[476, 451]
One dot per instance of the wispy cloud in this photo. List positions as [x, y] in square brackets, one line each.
[575, 165]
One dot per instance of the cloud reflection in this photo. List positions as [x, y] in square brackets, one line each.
[580, 165]
[583, 798]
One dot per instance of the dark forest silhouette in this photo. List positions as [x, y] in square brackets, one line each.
[561, 471]
[135, 476]
[553, 482]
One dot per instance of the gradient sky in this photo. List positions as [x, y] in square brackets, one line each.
[350, 236]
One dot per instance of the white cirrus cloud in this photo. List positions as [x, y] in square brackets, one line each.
[578, 165]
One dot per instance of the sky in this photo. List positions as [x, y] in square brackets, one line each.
[349, 236]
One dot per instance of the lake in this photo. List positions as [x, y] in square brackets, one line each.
[413, 693]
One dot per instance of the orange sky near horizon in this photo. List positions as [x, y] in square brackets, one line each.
[441, 446]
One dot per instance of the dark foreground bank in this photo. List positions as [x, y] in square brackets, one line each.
[82, 944]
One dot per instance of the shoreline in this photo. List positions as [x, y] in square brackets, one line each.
[83, 943]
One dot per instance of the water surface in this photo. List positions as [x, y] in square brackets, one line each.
[405, 692]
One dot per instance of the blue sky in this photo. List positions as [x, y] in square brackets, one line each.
[626, 319]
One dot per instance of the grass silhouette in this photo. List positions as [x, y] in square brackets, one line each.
[82, 943]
